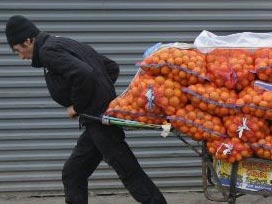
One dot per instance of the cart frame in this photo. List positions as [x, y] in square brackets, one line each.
[209, 175]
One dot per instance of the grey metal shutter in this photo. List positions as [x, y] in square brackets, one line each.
[35, 135]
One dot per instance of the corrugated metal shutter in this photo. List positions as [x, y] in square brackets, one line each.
[36, 137]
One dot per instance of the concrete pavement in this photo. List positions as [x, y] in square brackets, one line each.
[172, 198]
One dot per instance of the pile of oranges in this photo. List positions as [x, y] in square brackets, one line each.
[208, 97]
[231, 68]
[247, 127]
[263, 148]
[218, 101]
[133, 104]
[229, 149]
[197, 124]
[263, 64]
[256, 101]
[169, 95]
[187, 66]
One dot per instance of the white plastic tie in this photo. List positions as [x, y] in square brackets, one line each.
[242, 127]
[150, 97]
[165, 130]
[227, 151]
[105, 121]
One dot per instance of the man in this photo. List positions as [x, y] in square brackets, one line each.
[81, 80]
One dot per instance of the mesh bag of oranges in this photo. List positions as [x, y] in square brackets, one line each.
[168, 94]
[177, 61]
[246, 127]
[263, 148]
[197, 124]
[136, 103]
[257, 100]
[263, 64]
[233, 59]
[218, 101]
[231, 68]
[229, 149]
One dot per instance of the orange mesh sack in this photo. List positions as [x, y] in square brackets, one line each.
[177, 61]
[137, 102]
[257, 100]
[263, 148]
[230, 68]
[263, 64]
[216, 101]
[229, 149]
[197, 124]
[246, 127]
[168, 95]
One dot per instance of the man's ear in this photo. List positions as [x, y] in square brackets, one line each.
[27, 42]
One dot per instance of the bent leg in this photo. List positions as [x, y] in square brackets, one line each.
[81, 164]
[116, 152]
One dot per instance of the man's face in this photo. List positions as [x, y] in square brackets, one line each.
[24, 50]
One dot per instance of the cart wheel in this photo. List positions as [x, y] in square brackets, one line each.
[232, 200]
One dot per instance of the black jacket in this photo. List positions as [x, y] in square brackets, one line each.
[76, 74]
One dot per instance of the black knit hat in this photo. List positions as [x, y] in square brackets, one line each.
[18, 29]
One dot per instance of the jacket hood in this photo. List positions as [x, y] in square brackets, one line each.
[39, 42]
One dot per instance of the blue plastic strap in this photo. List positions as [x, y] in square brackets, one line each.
[261, 84]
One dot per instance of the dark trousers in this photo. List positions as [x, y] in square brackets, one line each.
[106, 142]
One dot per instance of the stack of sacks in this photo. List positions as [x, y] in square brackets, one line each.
[212, 94]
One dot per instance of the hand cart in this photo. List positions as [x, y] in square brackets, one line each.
[210, 178]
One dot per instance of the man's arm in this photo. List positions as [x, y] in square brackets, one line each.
[112, 68]
[79, 74]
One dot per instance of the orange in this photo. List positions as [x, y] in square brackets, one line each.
[192, 116]
[141, 102]
[216, 128]
[174, 101]
[169, 84]
[177, 92]
[142, 119]
[260, 152]
[123, 102]
[178, 61]
[180, 113]
[170, 110]
[163, 101]
[177, 53]
[148, 60]
[267, 96]
[259, 112]
[185, 59]
[189, 108]
[247, 98]
[224, 96]
[168, 92]
[208, 124]
[212, 150]
[223, 111]
[197, 137]
[184, 129]
[159, 80]
[165, 70]
[170, 60]
[214, 96]
[191, 65]
[164, 56]
[155, 59]
[203, 106]
[263, 104]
